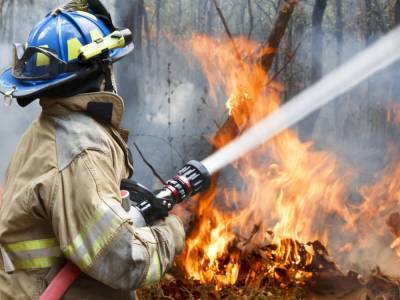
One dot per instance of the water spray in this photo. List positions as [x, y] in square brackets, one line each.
[195, 176]
[365, 64]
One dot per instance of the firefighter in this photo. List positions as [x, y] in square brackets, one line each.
[62, 191]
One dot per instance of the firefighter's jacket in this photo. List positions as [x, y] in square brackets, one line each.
[62, 202]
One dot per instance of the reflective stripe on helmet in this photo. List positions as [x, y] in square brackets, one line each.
[94, 237]
[73, 46]
[41, 59]
[34, 254]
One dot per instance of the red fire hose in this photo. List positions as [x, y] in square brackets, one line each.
[66, 276]
[60, 284]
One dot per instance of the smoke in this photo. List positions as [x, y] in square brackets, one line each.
[13, 120]
[172, 119]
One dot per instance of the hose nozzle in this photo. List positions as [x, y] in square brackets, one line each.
[190, 180]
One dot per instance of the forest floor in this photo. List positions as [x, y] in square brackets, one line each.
[377, 287]
[321, 279]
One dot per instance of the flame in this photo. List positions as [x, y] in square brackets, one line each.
[210, 245]
[381, 203]
[286, 187]
[396, 246]
[255, 224]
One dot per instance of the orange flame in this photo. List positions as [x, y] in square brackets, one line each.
[286, 191]
[297, 185]
[381, 199]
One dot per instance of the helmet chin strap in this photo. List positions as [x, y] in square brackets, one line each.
[109, 78]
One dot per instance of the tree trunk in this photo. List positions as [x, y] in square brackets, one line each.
[179, 16]
[317, 39]
[242, 17]
[289, 69]
[210, 17]
[397, 13]
[339, 58]
[193, 17]
[251, 18]
[158, 28]
[2, 16]
[307, 126]
[368, 22]
[130, 69]
[203, 16]
[138, 19]
[199, 15]
[285, 13]
[339, 32]
[148, 38]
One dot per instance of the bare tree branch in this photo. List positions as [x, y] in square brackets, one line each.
[227, 30]
[153, 170]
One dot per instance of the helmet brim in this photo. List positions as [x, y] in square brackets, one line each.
[31, 90]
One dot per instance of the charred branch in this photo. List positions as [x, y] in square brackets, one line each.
[285, 13]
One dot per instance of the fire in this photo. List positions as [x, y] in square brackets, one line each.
[381, 203]
[283, 195]
[287, 190]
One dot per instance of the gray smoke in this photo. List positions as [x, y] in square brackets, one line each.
[13, 119]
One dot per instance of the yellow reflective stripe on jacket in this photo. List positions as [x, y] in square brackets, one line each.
[154, 273]
[31, 245]
[33, 254]
[94, 237]
[154, 269]
[79, 240]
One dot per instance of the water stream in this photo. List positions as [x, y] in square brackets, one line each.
[365, 64]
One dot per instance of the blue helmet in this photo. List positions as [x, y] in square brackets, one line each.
[67, 45]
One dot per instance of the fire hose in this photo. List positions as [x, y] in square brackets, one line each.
[195, 176]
